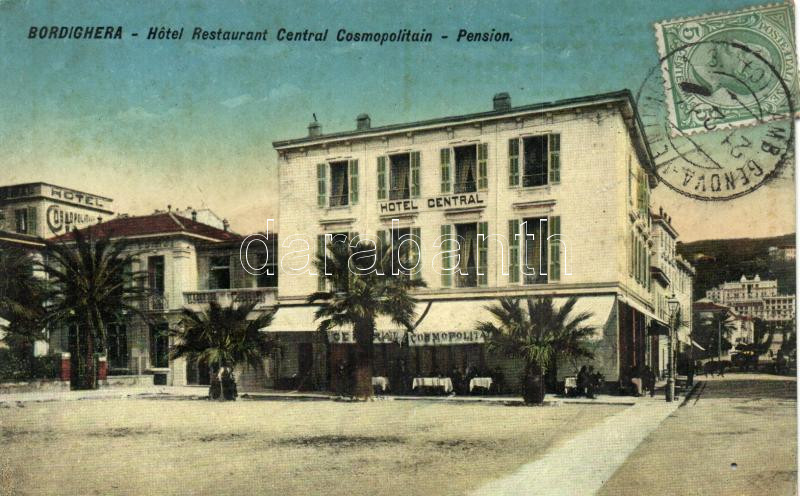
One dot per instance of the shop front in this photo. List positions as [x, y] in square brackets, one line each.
[444, 344]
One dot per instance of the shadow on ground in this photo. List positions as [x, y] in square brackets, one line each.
[753, 389]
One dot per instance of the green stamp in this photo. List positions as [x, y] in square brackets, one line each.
[729, 70]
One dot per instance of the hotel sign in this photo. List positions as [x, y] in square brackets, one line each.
[59, 217]
[443, 201]
[438, 338]
[78, 198]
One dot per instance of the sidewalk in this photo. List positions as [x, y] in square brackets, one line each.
[582, 464]
[198, 392]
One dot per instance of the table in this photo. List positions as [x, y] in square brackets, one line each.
[570, 384]
[380, 382]
[483, 382]
[433, 382]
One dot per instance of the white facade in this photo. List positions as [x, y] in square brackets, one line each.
[599, 204]
[755, 298]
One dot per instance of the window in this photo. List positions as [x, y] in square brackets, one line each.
[265, 279]
[21, 218]
[117, 342]
[155, 274]
[541, 156]
[219, 272]
[159, 345]
[535, 250]
[343, 177]
[466, 169]
[339, 186]
[467, 273]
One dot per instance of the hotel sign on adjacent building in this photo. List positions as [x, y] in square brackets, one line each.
[59, 217]
[463, 200]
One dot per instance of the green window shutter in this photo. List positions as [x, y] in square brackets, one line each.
[381, 178]
[322, 190]
[32, 221]
[415, 175]
[354, 182]
[555, 157]
[513, 162]
[444, 156]
[483, 166]
[554, 273]
[320, 251]
[383, 241]
[447, 276]
[416, 234]
[630, 254]
[483, 254]
[513, 241]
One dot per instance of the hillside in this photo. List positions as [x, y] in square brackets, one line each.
[723, 260]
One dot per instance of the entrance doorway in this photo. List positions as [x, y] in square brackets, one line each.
[305, 366]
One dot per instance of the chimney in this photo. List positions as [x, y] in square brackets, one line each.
[225, 225]
[315, 129]
[502, 101]
[194, 215]
[169, 208]
[363, 122]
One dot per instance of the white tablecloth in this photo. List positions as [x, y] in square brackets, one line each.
[380, 382]
[484, 382]
[442, 382]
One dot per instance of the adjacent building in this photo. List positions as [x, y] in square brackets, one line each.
[45, 210]
[185, 263]
[560, 192]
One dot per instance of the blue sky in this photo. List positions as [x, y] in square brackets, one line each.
[152, 123]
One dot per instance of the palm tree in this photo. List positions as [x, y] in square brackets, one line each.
[90, 285]
[362, 287]
[539, 334]
[223, 337]
[21, 303]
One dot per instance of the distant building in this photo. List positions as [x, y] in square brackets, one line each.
[742, 328]
[784, 252]
[672, 276]
[204, 216]
[755, 298]
[46, 210]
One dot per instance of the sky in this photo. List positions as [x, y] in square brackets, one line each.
[151, 122]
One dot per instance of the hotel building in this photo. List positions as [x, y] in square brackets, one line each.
[561, 191]
[755, 298]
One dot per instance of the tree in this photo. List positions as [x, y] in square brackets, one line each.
[362, 286]
[224, 337]
[21, 304]
[90, 285]
[539, 334]
[709, 330]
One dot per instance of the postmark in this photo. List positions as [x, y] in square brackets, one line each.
[718, 111]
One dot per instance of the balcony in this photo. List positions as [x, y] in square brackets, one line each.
[153, 303]
[225, 297]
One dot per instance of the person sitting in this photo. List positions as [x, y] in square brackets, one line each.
[636, 381]
[582, 381]
[458, 380]
[649, 379]
[498, 380]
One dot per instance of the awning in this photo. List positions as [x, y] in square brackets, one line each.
[455, 322]
[450, 322]
[685, 339]
[658, 328]
[301, 319]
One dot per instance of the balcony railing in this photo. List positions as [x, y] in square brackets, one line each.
[465, 187]
[339, 200]
[258, 296]
[153, 303]
[399, 194]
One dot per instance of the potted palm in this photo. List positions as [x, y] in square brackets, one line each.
[224, 338]
[538, 333]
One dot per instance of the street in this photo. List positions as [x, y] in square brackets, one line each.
[735, 436]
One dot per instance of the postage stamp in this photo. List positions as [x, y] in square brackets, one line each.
[718, 107]
[731, 65]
